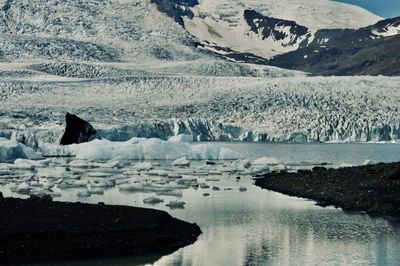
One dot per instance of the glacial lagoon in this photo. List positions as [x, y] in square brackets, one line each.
[245, 225]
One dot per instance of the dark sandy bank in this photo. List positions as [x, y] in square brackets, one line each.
[38, 229]
[371, 188]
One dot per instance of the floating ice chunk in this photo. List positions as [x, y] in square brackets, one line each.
[98, 174]
[66, 184]
[181, 138]
[142, 166]
[280, 167]
[152, 200]
[158, 172]
[83, 194]
[157, 149]
[173, 193]
[112, 164]
[261, 169]
[241, 164]
[204, 185]
[205, 152]
[11, 150]
[176, 204]
[136, 187]
[101, 183]
[228, 154]
[23, 166]
[242, 189]
[149, 149]
[174, 176]
[7, 172]
[265, 161]
[54, 194]
[97, 191]
[343, 165]
[26, 162]
[367, 162]
[181, 162]
[79, 164]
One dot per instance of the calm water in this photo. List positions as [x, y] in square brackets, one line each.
[259, 227]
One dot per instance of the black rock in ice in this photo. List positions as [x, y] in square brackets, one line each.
[78, 131]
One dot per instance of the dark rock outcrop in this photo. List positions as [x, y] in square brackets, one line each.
[78, 131]
[39, 229]
[371, 188]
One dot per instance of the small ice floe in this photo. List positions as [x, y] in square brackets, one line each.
[214, 172]
[173, 193]
[67, 184]
[131, 172]
[367, 162]
[152, 200]
[142, 166]
[176, 204]
[114, 163]
[98, 174]
[79, 164]
[343, 165]
[258, 169]
[83, 194]
[181, 138]
[54, 194]
[135, 187]
[242, 189]
[212, 180]
[23, 188]
[181, 162]
[204, 186]
[174, 176]
[122, 181]
[280, 167]
[199, 173]
[187, 182]
[102, 182]
[25, 163]
[158, 172]
[23, 166]
[265, 161]
[241, 165]
[96, 191]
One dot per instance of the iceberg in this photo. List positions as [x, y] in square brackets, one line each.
[11, 150]
[149, 149]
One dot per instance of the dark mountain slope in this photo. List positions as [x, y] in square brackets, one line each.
[347, 52]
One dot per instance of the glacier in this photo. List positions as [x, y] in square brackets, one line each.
[132, 71]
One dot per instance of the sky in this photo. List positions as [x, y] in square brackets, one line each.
[383, 8]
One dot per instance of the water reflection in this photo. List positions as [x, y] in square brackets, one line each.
[259, 227]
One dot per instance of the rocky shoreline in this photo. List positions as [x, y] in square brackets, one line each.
[371, 188]
[40, 229]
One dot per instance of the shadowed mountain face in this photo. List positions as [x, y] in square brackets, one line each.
[372, 50]
[177, 9]
[286, 31]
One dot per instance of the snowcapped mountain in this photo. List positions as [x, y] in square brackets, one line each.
[228, 23]
[324, 37]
